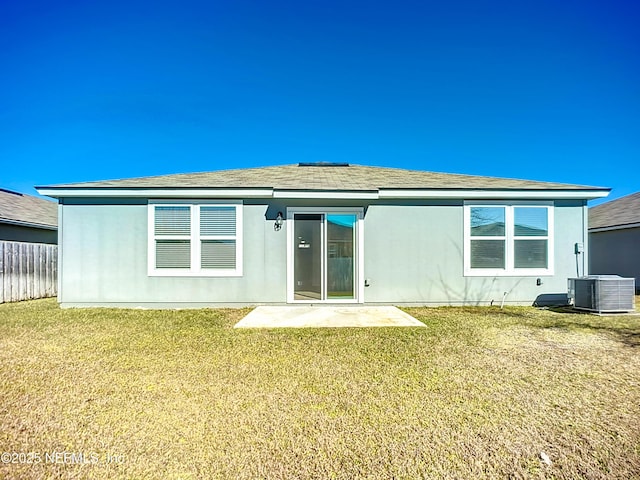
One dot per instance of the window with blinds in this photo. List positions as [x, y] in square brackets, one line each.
[173, 221]
[508, 239]
[173, 254]
[172, 230]
[530, 237]
[218, 254]
[195, 240]
[217, 221]
[488, 237]
[218, 237]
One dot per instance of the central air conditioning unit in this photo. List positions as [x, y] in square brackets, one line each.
[603, 293]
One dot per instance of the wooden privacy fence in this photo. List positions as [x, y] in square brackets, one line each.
[27, 271]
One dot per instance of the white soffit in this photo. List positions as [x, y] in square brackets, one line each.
[321, 194]
[324, 194]
[157, 192]
[495, 194]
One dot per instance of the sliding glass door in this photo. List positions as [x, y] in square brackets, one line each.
[308, 253]
[323, 251]
[340, 260]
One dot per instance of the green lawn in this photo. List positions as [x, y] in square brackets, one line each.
[479, 393]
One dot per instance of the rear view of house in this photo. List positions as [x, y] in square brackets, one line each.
[318, 233]
[614, 235]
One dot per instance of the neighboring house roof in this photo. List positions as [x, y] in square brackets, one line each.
[490, 229]
[27, 210]
[320, 177]
[616, 214]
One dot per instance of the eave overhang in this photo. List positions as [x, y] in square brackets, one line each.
[480, 194]
[19, 223]
[382, 193]
[106, 192]
[625, 226]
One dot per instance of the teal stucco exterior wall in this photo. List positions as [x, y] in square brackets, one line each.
[104, 262]
[413, 255]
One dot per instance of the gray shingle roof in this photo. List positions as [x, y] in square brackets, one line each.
[21, 208]
[616, 213]
[327, 177]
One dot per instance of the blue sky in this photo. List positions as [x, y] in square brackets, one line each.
[544, 90]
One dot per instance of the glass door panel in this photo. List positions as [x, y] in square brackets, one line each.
[340, 258]
[308, 254]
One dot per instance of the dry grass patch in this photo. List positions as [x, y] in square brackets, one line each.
[479, 393]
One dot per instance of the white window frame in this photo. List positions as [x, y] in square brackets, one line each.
[195, 238]
[510, 238]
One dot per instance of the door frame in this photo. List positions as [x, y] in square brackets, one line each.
[358, 273]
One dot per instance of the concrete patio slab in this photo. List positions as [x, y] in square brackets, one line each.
[327, 316]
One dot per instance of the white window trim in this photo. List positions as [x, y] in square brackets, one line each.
[195, 238]
[509, 270]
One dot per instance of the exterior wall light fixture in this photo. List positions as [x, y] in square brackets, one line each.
[279, 221]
